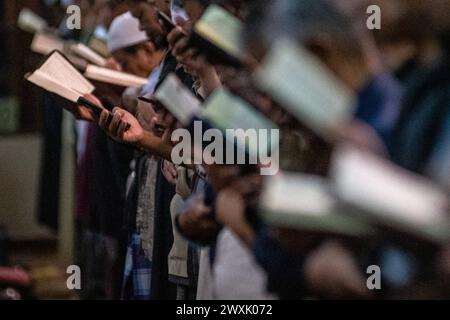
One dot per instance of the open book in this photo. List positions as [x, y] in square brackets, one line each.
[227, 111]
[390, 196]
[217, 34]
[177, 99]
[305, 203]
[301, 84]
[44, 43]
[31, 22]
[59, 76]
[113, 77]
[87, 53]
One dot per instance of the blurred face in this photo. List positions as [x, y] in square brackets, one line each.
[146, 13]
[142, 61]
[194, 10]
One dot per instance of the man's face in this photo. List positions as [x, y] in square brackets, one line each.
[146, 13]
[141, 62]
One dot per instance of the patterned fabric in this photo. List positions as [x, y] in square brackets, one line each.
[146, 206]
[137, 275]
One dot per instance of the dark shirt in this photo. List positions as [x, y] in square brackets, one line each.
[421, 119]
[379, 104]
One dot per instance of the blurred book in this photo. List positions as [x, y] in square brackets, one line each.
[390, 196]
[99, 46]
[59, 76]
[302, 85]
[227, 111]
[87, 53]
[217, 35]
[44, 43]
[178, 99]
[113, 77]
[29, 21]
[77, 53]
[304, 203]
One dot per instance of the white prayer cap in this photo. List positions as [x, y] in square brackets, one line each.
[124, 32]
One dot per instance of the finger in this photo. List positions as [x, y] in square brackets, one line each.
[114, 126]
[103, 120]
[173, 171]
[123, 127]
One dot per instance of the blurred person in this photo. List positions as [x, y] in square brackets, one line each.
[331, 35]
[423, 134]
[406, 46]
[235, 275]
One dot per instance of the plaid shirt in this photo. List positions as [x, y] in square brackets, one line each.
[138, 272]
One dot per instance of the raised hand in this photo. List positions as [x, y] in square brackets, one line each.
[123, 128]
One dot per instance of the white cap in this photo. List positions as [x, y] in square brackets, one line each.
[124, 32]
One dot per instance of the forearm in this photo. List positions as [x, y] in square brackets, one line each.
[155, 145]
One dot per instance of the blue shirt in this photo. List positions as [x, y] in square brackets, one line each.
[379, 104]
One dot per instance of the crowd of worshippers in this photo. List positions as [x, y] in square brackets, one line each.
[152, 229]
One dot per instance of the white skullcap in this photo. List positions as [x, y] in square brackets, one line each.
[124, 32]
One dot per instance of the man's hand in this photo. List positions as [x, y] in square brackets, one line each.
[332, 272]
[112, 64]
[170, 172]
[124, 127]
[84, 113]
[197, 223]
[193, 61]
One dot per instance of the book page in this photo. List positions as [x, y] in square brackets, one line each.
[57, 75]
[282, 193]
[88, 54]
[77, 62]
[59, 69]
[222, 29]
[31, 22]
[304, 202]
[180, 102]
[45, 82]
[306, 88]
[44, 44]
[114, 77]
[227, 111]
[388, 192]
